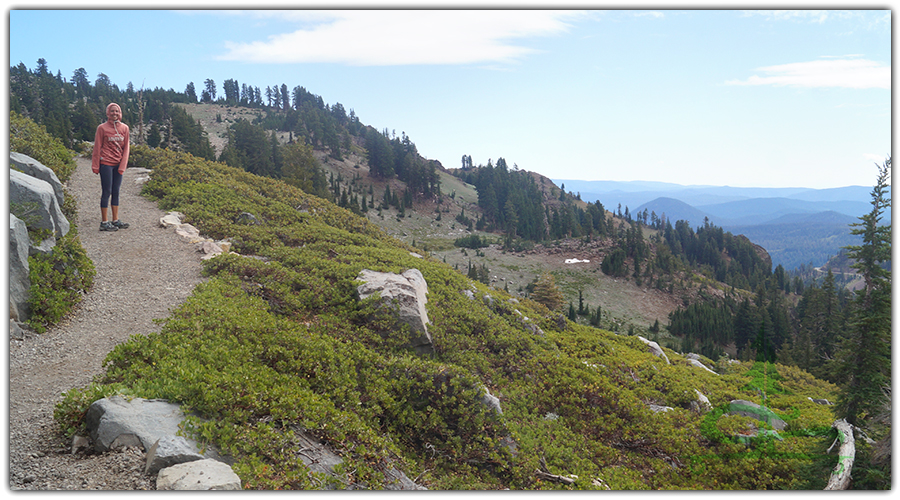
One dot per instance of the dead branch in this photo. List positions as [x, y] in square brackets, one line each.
[553, 477]
[840, 476]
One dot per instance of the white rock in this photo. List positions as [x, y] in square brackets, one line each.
[655, 349]
[204, 474]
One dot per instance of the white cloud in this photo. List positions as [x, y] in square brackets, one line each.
[399, 37]
[652, 13]
[848, 73]
[878, 159]
[815, 16]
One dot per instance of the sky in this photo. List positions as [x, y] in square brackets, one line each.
[797, 98]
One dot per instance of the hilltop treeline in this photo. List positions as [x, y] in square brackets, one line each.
[70, 109]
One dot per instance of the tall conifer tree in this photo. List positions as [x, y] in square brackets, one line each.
[865, 352]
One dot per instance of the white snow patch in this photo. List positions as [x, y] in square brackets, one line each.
[576, 261]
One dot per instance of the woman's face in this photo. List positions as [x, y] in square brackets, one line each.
[114, 114]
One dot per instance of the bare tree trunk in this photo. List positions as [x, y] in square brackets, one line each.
[840, 476]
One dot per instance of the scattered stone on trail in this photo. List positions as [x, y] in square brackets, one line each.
[171, 219]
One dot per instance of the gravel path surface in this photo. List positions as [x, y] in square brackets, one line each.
[142, 273]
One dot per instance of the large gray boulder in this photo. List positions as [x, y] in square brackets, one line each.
[36, 169]
[406, 293]
[36, 197]
[116, 421]
[199, 475]
[19, 281]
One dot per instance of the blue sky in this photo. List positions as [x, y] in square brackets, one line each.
[727, 97]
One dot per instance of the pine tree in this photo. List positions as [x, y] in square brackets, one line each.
[547, 293]
[864, 360]
[595, 318]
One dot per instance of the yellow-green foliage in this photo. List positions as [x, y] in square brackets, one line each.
[279, 342]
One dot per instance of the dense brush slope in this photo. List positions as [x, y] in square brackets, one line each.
[277, 340]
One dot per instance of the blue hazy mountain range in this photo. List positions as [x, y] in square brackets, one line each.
[795, 225]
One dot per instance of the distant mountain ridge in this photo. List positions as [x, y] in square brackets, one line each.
[795, 225]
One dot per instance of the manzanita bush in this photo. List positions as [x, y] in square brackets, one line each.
[276, 342]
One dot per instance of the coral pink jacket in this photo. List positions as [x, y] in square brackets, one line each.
[111, 146]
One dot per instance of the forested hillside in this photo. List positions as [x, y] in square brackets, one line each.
[301, 152]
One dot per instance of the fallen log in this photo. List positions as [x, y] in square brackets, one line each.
[840, 476]
[553, 477]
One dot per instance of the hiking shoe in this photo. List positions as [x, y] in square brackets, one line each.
[108, 226]
[119, 224]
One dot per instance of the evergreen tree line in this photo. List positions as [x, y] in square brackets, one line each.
[390, 156]
[512, 203]
[71, 109]
[832, 333]
[510, 200]
[723, 256]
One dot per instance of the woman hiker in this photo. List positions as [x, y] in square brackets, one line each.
[109, 159]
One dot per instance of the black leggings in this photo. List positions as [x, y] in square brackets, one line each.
[110, 182]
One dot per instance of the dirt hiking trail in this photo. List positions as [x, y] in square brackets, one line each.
[142, 273]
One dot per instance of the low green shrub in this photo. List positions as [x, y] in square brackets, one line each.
[58, 281]
[278, 343]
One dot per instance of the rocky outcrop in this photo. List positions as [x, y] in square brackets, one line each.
[405, 294]
[35, 202]
[35, 199]
[655, 349]
[153, 425]
[694, 360]
[655, 408]
[36, 169]
[19, 281]
[491, 402]
[702, 402]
